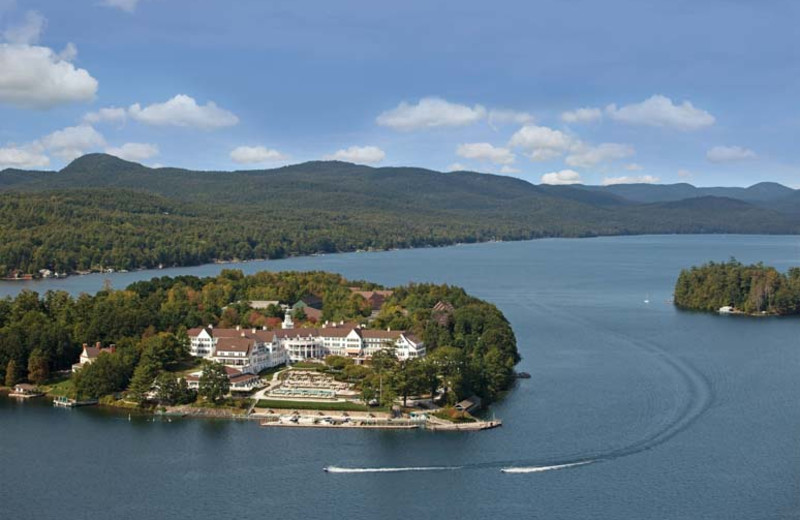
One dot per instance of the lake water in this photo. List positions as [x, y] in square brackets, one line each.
[679, 415]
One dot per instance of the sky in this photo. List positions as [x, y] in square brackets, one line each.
[555, 91]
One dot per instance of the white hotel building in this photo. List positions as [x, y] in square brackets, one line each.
[253, 350]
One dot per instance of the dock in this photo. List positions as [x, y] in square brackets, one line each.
[423, 423]
[66, 402]
[435, 424]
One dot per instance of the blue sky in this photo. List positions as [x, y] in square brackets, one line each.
[704, 91]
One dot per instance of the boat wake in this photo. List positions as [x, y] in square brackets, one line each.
[540, 469]
[693, 392]
[338, 469]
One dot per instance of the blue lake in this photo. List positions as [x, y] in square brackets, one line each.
[679, 415]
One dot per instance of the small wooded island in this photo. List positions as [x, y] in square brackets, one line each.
[732, 287]
[236, 345]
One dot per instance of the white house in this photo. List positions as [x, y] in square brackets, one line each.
[89, 354]
[247, 350]
[253, 350]
[239, 381]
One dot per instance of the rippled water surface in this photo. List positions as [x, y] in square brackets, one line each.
[634, 411]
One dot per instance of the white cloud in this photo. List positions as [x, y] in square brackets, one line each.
[134, 151]
[562, 177]
[457, 167]
[36, 77]
[642, 179]
[542, 143]
[28, 32]
[661, 111]
[582, 115]
[586, 156]
[22, 157]
[684, 174]
[73, 141]
[183, 110]
[106, 115]
[503, 116]
[126, 5]
[69, 52]
[508, 169]
[430, 112]
[634, 167]
[358, 154]
[485, 152]
[255, 154]
[725, 154]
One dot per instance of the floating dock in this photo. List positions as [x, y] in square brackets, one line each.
[66, 402]
[307, 421]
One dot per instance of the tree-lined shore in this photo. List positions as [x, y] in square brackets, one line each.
[101, 212]
[749, 289]
[471, 347]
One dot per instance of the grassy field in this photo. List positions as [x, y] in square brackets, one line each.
[269, 372]
[302, 365]
[345, 406]
[453, 415]
[61, 387]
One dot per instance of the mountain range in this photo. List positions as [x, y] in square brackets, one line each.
[102, 211]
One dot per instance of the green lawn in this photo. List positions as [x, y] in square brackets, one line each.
[303, 365]
[453, 415]
[345, 406]
[61, 387]
[186, 367]
[270, 371]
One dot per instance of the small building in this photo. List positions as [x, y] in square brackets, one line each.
[239, 381]
[89, 354]
[442, 313]
[375, 298]
[469, 405]
[26, 390]
[313, 314]
[309, 300]
[727, 309]
[264, 304]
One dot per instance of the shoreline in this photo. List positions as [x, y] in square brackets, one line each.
[30, 277]
[288, 418]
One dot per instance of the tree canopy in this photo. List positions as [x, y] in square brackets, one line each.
[751, 289]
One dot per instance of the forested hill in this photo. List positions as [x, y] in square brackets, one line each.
[761, 193]
[101, 211]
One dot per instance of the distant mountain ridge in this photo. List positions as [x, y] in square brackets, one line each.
[103, 170]
[102, 211]
[648, 193]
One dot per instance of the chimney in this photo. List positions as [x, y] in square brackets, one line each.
[238, 327]
[242, 333]
[263, 327]
[210, 326]
[98, 344]
[253, 330]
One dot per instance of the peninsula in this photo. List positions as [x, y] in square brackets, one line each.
[269, 345]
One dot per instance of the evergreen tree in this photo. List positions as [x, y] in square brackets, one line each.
[38, 367]
[214, 382]
[12, 374]
[168, 388]
[143, 377]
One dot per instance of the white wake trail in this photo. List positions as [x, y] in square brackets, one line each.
[337, 469]
[539, 469]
